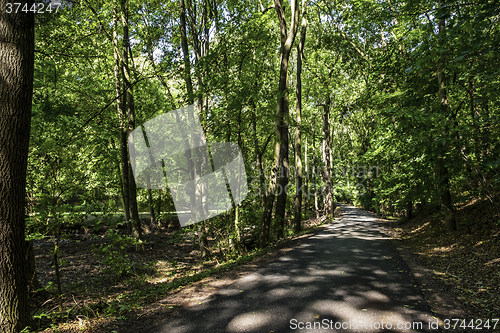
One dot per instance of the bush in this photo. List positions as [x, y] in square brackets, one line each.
[114, 255]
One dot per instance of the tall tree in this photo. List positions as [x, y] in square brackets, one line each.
[135, 223]
[122, 119]
[282, 108]
[449, 215]
[16, 90]
[298, 130]
[328, 203]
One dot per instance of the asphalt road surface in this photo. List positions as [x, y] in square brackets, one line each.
[347, 278]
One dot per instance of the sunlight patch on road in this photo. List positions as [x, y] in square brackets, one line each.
[304, 279]
[349, 313]
[379, 272]
[250, 321]
[278, 293]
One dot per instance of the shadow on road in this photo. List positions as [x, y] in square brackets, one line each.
[348, 278]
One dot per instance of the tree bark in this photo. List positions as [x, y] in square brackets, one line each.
[152, 219]
[185, 51]
[123, 123]
[16, 90]
[449, 214]
[268, 200]
[33, 283]
[306, 178]
[258, 158]
[135, 224]
[282, 109]
[328, 203]
[297, 223]
[313, 174]
[190, 96]
[409, 210]
[197, 194]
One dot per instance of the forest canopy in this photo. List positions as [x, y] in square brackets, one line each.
[408, 89]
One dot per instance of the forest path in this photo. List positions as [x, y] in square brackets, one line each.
[349, 275]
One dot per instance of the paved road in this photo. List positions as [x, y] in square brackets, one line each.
[348, 278]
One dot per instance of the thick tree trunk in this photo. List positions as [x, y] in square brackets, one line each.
[282, 109]
[297, 223]
[16, 90]
[449, 214]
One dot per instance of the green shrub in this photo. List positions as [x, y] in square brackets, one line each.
[114, 255]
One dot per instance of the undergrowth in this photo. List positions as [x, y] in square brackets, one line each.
[467, 260]
[132, 285]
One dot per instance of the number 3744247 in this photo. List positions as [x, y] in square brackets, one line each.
[38, 8]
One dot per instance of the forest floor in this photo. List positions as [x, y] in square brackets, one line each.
[95, 300]
[460, 271]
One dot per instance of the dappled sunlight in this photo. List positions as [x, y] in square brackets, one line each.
[229, 292]
[278, 293]
[285, 258]
[494, 261]
[379, 271]
[347, 273]
[359, 320]
[374, 295]
[250, 322]
[442, 249]
[423, 226]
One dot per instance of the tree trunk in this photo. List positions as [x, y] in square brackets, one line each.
[282, 109]
[449, 214]
[237, 220]
[33, 283]
[306, 178]
[203, 51]
[313, 174]
[135, 224]
[185, 51]
[328, 203]
[297, 223]
[16, 90]
[158, 205]
[123, 124]
[409, 210]
[258, 158]
[56, 266]
[193, 194]
[152, 219]
[201, 188]
[269, 199]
